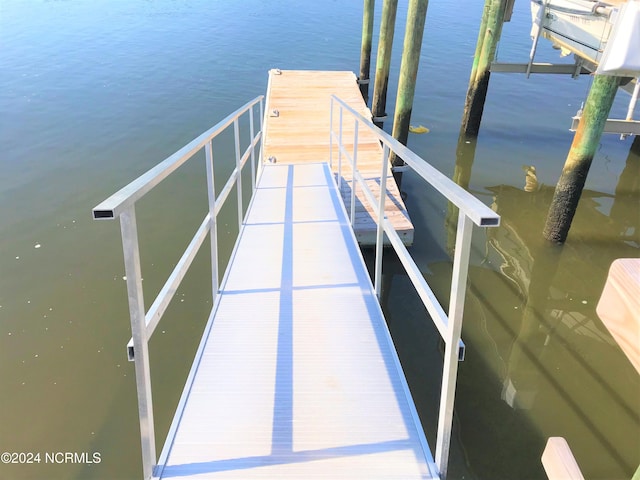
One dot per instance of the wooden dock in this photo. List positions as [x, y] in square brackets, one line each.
[299, 133]
[296, 375]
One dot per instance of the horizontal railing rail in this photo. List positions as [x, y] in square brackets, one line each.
[122, 205]
[113, 206]
[471, 211]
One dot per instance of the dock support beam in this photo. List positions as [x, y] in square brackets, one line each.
[408, 72]
[365, 50]
[576, 167]
[383, 60]
[488, 37]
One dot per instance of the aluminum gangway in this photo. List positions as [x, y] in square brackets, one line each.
[296, 375]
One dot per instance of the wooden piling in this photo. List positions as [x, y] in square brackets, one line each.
[576, 167]
[365, 51]
[383, 60]
[488, 37]
[481, 33]
[466, 148]
[408, 72]
[465, 155]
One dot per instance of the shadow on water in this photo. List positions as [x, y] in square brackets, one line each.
[539, 362]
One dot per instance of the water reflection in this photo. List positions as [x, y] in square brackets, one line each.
[540, 362]
[624, 210]
[562, 364]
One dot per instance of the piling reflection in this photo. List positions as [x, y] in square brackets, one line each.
[624, 210]
[562, 365]
[521, 384]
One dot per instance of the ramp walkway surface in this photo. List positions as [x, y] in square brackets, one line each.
[296, 375]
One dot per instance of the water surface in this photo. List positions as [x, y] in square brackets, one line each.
[92, 94]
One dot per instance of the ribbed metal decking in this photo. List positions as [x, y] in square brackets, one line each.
[296, 375]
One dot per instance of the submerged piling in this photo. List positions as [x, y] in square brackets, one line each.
[488, 38]
[365, 50]
[383, 60]
[585, 143]
[408, 72]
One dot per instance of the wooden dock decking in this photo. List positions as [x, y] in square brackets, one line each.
[300, 134]
[296, 375]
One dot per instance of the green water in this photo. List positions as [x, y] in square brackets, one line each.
[92, 94]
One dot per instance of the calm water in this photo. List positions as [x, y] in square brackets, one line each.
[92, 94]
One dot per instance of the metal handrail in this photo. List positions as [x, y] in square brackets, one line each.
[122, 205]
[471, 211]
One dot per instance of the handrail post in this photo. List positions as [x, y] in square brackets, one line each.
[262, 138]
[236, 134]
[381, 219]
[454, 330]
[340, 151]
[211, 191]
[253, 156]
[331, 135]
[261, 129]
[133, 272]
[354, 163]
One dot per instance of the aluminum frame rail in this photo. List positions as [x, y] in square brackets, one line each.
[122, 205]
[471, 211]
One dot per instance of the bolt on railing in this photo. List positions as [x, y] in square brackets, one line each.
[472, 211]
[122, 205]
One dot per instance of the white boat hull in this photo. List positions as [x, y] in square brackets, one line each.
[573, 26]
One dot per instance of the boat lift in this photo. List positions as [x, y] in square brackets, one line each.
[603, 36]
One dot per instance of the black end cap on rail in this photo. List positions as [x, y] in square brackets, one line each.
[490, 222]
[99, 214]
